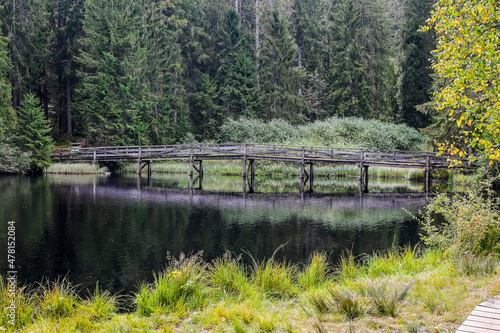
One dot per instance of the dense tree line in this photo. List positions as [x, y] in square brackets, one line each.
[152, 72]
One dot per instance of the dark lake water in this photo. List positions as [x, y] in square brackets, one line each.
[117, 230]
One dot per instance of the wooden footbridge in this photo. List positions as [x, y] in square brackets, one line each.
[249, 153]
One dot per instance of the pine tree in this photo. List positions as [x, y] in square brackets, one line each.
[361, 66]
[34, 132]
[112, 102]
[210, 114]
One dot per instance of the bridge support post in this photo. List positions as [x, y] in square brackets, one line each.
[94, 161]
[363, 178]
[200, 171]
[150, 169]
[251, 179]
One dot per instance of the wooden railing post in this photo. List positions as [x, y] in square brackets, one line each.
[139, 161]
[244, 173]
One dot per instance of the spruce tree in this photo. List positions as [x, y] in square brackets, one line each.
[112, 103]
[280, 76]
[7, 114]
[349, 86]
[34, 132]
[26, 26]
[163, 70]
[414, 47]
[236, 74]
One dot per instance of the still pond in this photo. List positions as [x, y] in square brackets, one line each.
[118, 229]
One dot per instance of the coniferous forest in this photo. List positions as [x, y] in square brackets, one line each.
[155, 71]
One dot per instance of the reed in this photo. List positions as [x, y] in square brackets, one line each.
[75, 168]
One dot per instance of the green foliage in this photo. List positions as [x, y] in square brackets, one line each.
[333, 132]
[12, 159]
[34, 132]
[471, 224]
[467, 58]
[280, 76]
[112, 107]
[361, 67]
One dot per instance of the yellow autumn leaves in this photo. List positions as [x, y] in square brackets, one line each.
[468, 59]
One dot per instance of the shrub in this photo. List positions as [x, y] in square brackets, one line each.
[471, 224]
[335, 131]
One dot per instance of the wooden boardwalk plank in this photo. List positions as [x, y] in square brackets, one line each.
[485, 318]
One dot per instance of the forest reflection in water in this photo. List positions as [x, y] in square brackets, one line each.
[117, 230]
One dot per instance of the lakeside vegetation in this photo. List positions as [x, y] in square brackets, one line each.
[431, 288]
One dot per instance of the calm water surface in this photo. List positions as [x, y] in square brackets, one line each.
[117, 230]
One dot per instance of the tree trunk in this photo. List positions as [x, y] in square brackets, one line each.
[257, 51]
[69, 128]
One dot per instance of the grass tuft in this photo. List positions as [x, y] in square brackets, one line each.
[385, 297]
[274, 278]
[228, 275]
[316, 272]
[57, 299]
[180, 288]
[348, 303]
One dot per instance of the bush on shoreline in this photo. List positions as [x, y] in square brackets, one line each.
[332, 132]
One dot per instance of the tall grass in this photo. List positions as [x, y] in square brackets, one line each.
[225, 295]
[228, 275]
[179, 288]
[274, 278]
[75, 168]
[385, 295]
[316, 272]
[57, 299]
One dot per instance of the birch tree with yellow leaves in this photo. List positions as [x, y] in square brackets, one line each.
[467, 60]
